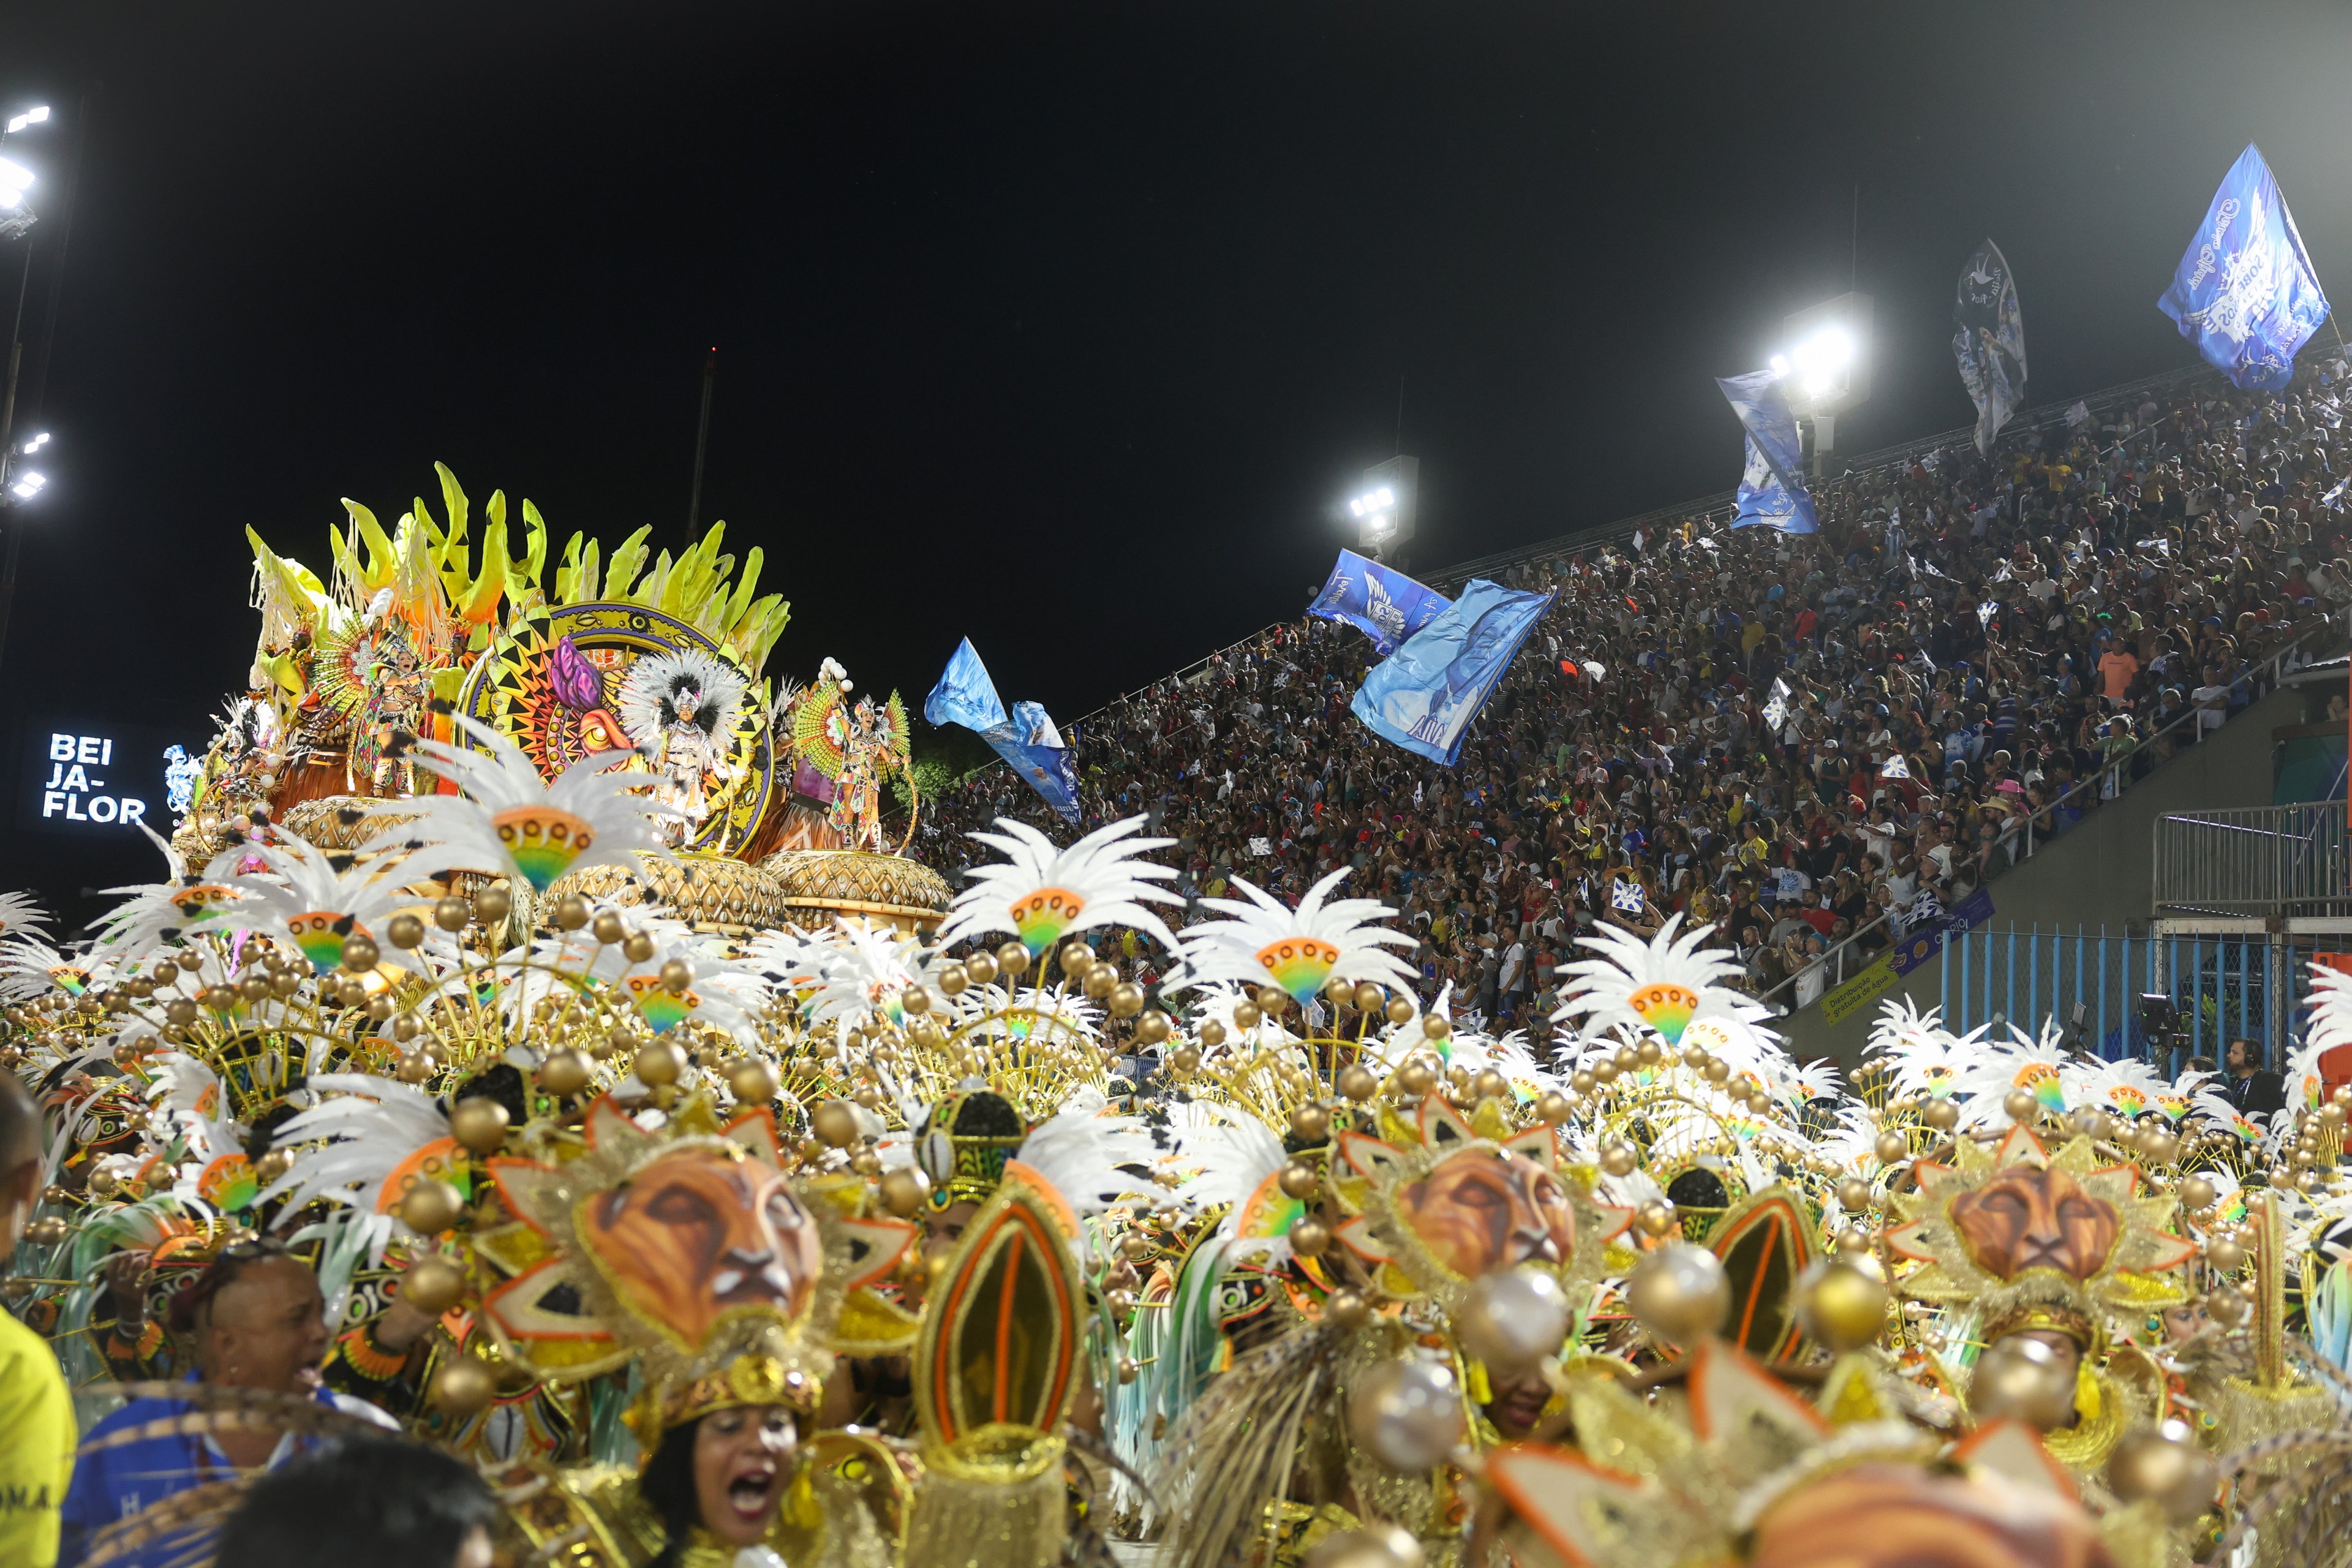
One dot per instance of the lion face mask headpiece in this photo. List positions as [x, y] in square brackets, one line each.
[2057, 1240]
[690, 1252]
[1439, 1204]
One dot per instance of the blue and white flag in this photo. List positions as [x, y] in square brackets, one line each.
[1772, 488]
[1385, 605]
[1626, 898]
[1424, 696]
[2245, 293]
[1025, 738]
[1989, 341]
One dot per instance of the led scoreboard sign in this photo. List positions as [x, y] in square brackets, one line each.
[86, 778]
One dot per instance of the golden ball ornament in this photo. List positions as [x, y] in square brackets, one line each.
[1619, 1158]
[1717, 1070]
[866, 1163]
[1124, 1000]
[564, 1073]
[1490, 1084]
[1552, 1107]
[1373, 1546]
[2020, 1104]
[1309, 1236]
[980, 969]
[1185, 1060]
[1415, 1078]
[453, 914]
[1655, 1217]
[952, 980]
[1153, 1026]
[1602, 1071]
[1357, 1083]
[463, 1387]
[677, 976]
[1407, 1415]
[570, 912]
[432, 1286]
[493, 904]
[2159, 1145]
[1129, 1370]
[1941, 1114]
[751, 1081]
[1513, 1319]
[1272, 1001]
[1310, 1123]
[837, 1122]
[479, 1123]
[660, 1063]
[1583, 1081]
[1841, 1306]
[914, 1000]
[2197, 1193]
[2224, 1254]
[1892, 1148]
[413, 1067]
[2023, 1380]
[1246, 1016]
[1209, 1033]
[1853, 1195]
[1348, 1309]
[1011, 961]
[905, 1190]
[1436, 1026]
[361, 952]
[2163, 1465]
[431, 1207]
[607, 928]
[48, 1232]
[639, 947]
[1679, 1292]
[253, 987]
[1076, 958]
[1401, 1010]
[1298, 1180]
[1370, 998]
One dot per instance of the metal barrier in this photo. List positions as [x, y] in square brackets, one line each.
[2258, 860]
[2213, 989]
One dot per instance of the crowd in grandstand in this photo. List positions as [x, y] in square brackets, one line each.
[1798, 740]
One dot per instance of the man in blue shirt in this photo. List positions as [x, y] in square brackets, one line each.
[255, 1319]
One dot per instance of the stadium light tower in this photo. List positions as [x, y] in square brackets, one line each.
[1387, 505]
[1826, 364]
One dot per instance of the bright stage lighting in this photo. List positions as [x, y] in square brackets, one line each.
[1371, 501]
[27, 485]
[37, 442]
[15, 176]
[32, 116]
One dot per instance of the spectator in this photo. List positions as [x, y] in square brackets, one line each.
[256, 1319]
[37, 1458]
[364, 1503]
[2253, 1089]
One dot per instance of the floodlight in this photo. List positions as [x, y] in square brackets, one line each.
[1780, 364]
[1828, 359]
[1386, 506]
[15, 176]
[28, 485]
[10, 199]
[37, 442]
[32, 116]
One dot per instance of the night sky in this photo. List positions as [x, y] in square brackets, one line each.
[1062, 326]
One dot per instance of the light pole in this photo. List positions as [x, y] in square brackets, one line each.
[18, 484]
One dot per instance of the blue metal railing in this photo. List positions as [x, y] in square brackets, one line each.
[2215, 989]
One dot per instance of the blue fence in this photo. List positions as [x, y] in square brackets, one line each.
[2214, 989]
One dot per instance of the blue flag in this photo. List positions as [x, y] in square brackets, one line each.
[1026, 739]
[2244, 292]
[1386, 605]
[1989, 341]
[1424, 696]
[1772, 487]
